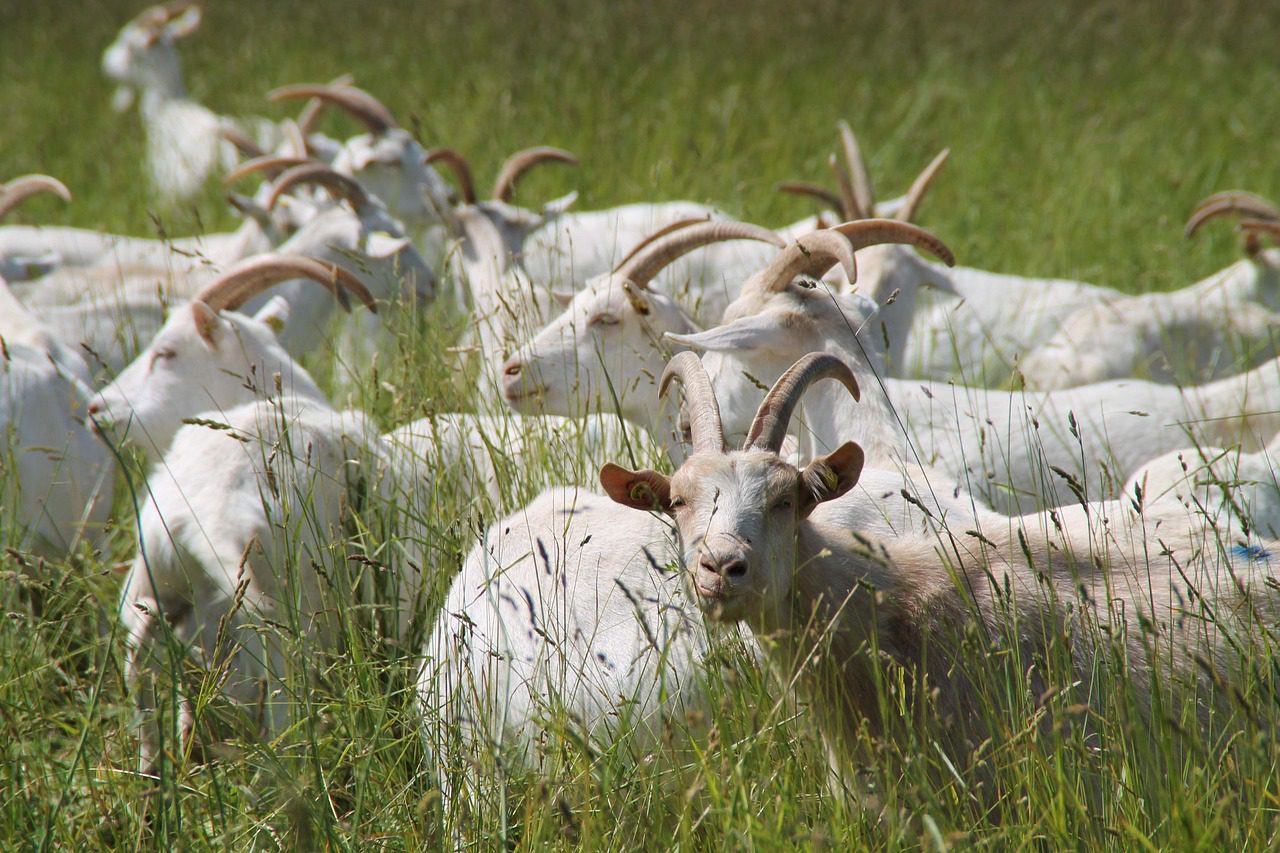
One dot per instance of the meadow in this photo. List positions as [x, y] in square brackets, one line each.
[1081, 133]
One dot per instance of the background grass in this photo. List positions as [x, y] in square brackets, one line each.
[1081, 134]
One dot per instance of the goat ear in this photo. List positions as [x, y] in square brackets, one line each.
[275, 314]
[383, 245]
[186, 23]
[557, 206]
[828, 477]
[746, 333]
[207, 323]
[647, 490]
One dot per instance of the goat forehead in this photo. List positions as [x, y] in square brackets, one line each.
[743, 478]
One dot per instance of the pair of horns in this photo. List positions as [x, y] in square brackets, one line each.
[362, 106]
[769, 427]
[314, 172]
[1258, 216]
[511, 172]
[652, 254]
[856, 198]
[19, 190]
[815, 254]
[247, 279]
[155, 17]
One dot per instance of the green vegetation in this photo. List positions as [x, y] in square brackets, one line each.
[1081, 137]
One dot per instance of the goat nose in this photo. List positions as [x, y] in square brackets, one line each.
[733, 568]
[95, 407]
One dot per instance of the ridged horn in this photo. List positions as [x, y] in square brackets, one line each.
[656, 235]
[817, 191]
[704, 412]
[459, 166]
[269, 164]
[314, 108]
[318, 173]
[364, 107]
[870, 232]
[248, 278]
[20, 189]
[849, 208]
[862, 190]
[769, 428]
[245, 146]
[1230, 202]
[522, 161]
[813, 255]
[920, 186]
[651, 260]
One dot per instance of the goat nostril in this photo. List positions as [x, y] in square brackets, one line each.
[731, 569]
[94, 408]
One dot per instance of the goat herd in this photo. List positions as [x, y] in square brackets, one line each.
[871, 512]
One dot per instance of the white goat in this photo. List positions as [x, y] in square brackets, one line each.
[1238, 492]
[57, 478]
[185, 141]
[1013, 450]
[563, 615]
[1214, 328]
[251, 494]
[605, 352]
[833, 612]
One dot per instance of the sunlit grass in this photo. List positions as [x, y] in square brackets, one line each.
[1081, 137]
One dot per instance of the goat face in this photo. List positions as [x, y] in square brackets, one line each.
[200, 361]
[606, 346]
[738, 516]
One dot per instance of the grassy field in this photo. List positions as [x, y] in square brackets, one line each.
[1081, 134]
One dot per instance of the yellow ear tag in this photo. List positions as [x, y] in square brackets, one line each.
[275, 323]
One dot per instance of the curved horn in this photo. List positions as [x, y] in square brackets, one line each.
[154, 17]
[314, 108]
[848, 208]
[522, 161]
[774, 415]
[318, 173]
[247, 279]
[871, 232]
[271, 164]
[1261, 226]
[819, 192]
[19, 190]
[862, 191]
[648, 262]
[245, 146]
[813, 254]
[460, 168]
[704, 411]
[921, 185]
[371, 112]
[1230, 202]
[661, 232]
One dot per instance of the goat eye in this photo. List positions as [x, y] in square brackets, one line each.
[162, 355]
[784, 503]
[677, 503]
[603, 320]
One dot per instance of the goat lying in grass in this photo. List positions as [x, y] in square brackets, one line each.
[242, 564]
[844, 615]
[1226, 323]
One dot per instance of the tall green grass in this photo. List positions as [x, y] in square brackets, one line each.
[1081, 136]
